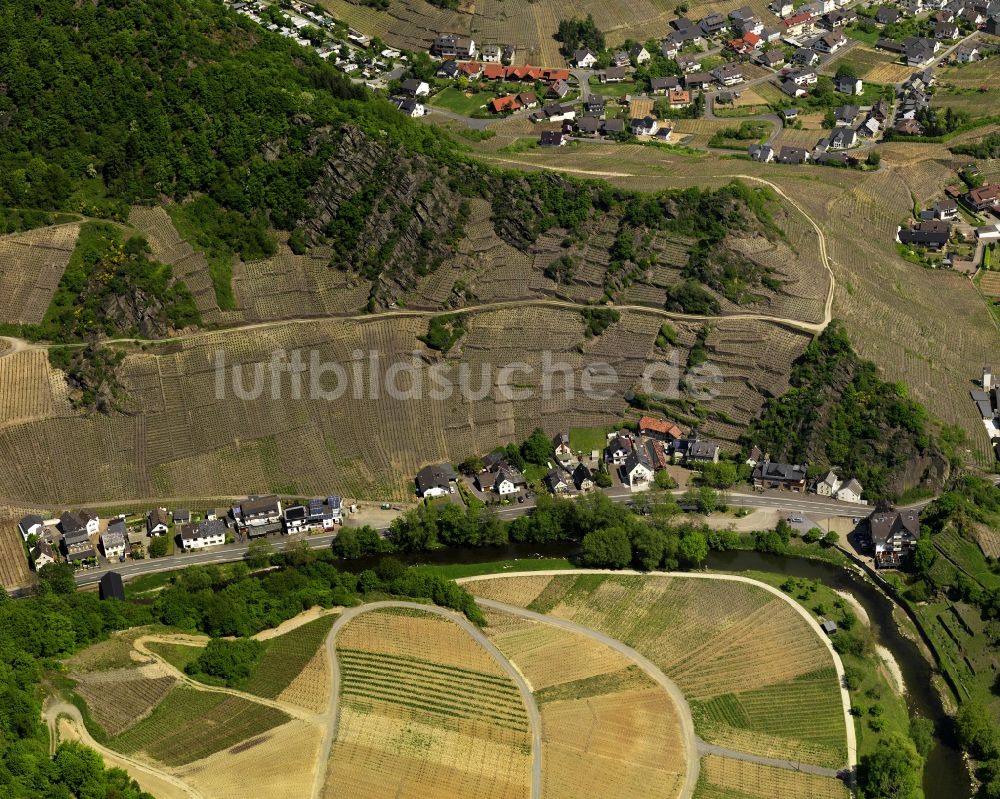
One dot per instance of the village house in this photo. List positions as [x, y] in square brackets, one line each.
[620, 58]
[919, 51]
[886, 15]
[414, 87]
[588, 125]
[508, 481]
[679, 98]
[697, 80]
[843, 138]
[772, 474]
[712, 25]
[663, 85]
[670, 47]
[181, 516]
[42, 555]
[931, 234]
[584, 59]
[204, 534]
[551, 138]
[448, 45]
[805, 57]
[491, 54]
[409, 106]
[689, 63]
[111, 586]
[636, 472]
[838, 19]
[846, 114]
[583, 478]
[639, 54]
[792, 155]
[647, 126]
[893, 534]
[594, 105]
[559, 89]
[828, 485]
[613, 127]
[257, 515]
[945, 30]
[157, 522]
[967, 53]
[659, 429]
[946, 209]
[436, 480]
[619, 448]
[848, 85]
[850, 492]
[830, 42]
[560, 444]
[448, 70]
[770, 58]
[114, 540]
[82, 521]
[31, 525]
[613, 75]
[799, 24]
[763, 153]
[556, 481]
[77, 545]
[503, 105]
[984, 198]
[316, 515]
[527, 99]
[728, 74]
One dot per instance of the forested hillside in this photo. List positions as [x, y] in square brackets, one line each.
[107, 105]
[840, 413]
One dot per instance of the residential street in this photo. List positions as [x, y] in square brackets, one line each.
[815, 507]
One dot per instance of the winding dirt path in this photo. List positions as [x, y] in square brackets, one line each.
[163, 784]
[292, 710]
[534, 717]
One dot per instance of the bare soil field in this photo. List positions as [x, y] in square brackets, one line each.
[426, 707]
[757, 676]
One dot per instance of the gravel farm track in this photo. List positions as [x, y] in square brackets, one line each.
[19, 345]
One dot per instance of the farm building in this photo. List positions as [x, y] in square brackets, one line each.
[112, 587]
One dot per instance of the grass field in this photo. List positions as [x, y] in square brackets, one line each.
[460, 102]
[180, 656]
[587, 439]
[190, 724]
[758, 678]
[425, 707]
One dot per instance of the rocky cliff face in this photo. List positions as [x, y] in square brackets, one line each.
[389, 216]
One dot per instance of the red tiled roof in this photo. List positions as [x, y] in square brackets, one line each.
[556, 74]
[494, 72]
[505, 103]
[660, 426]
[470, 67]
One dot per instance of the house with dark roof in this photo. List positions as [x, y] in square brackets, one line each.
[612, 127]
[646, 126]
[157, 522]
[551, 138]
[31, 525]
[772, 474]
[886, 15]
[112, 587]
[208, 533]
[792, 155]
[770, 58]
[618, 449]
[728, 74]
[451, 45]
[663, 85]
[843, 138]
[556, 481]
[932, 234]
[42, 555]
[583, 477]
[509, 481]
[893, 534]
[637, 471]
[846, 114]
[848, 85]
[256, 516]
[560, 445]
[435, 480]
[712, 24]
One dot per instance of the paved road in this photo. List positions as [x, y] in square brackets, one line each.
[534, 717]
[690, 740]
[228, 553]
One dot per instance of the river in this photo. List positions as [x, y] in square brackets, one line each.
[945, 775]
